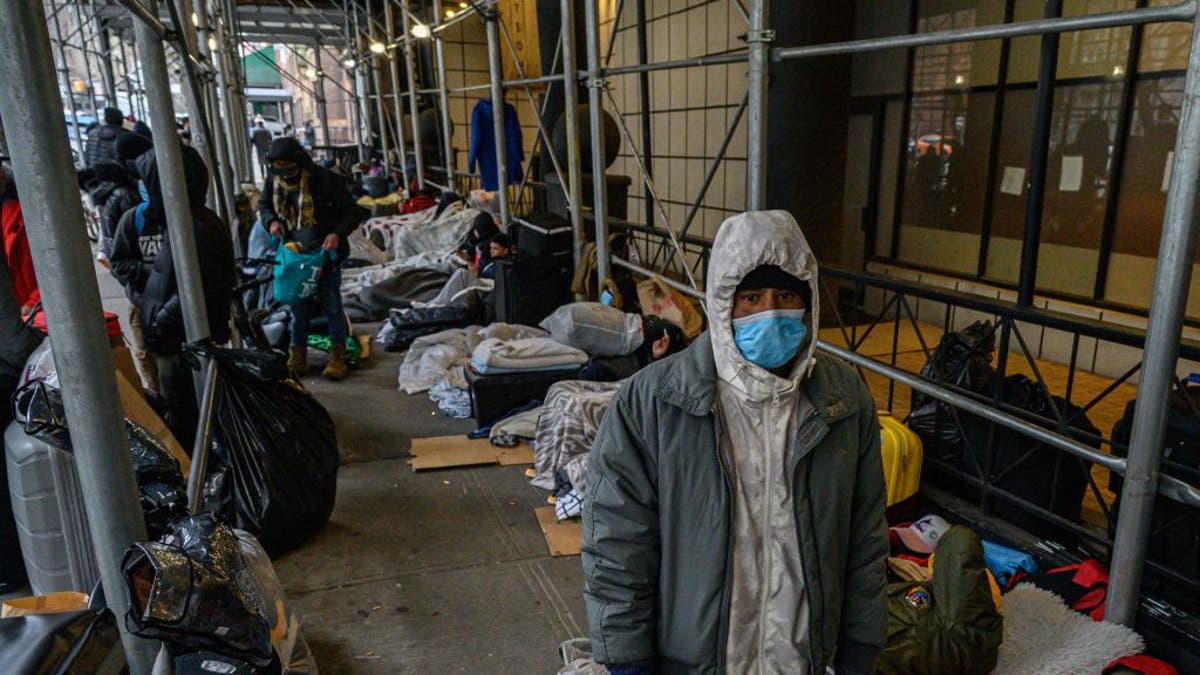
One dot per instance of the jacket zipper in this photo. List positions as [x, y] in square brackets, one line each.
[768, 508]
[727, 591]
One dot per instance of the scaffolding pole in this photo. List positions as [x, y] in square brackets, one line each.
[32, 114]
[410, 75]
[439, 53]
[104, 49]
[168, 155]
[397, 101]
[351, 49]
[362, 81]
[376, 59]
[596, 86]
[492, 21]
[1172, 278]
[570, 111]
[81, 29]
[322, 106]
[65, 83]
[759, 38]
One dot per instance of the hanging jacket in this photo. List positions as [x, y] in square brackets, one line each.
[695, 508]
[102, 144]
[16, 249]
[483, 145]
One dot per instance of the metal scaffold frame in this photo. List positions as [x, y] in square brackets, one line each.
[210, 54]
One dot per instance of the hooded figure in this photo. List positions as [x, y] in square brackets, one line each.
[113, 190]
[102, 141]
[736, 523]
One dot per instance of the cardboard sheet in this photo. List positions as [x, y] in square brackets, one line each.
[135, 407]
[443, 452]
[563, 538]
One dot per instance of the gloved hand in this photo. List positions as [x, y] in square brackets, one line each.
[1004, 562]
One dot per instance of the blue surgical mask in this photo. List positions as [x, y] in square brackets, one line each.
[606, 298]
[770, 339]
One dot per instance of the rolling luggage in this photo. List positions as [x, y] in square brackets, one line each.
[529, 289]
[494, 395]
[48, 508]
[902, 457]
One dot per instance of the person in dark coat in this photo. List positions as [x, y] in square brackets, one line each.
[113, 190]
[141, 260]
[102, 140]
[260, 136]
[310, 208]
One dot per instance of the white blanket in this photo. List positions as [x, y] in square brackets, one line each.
[357, 278]
[528, 354]
[440, 357]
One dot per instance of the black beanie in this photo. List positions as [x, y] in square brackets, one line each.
[114, 117]
[772, 276]
[131, 146]
[288, 149]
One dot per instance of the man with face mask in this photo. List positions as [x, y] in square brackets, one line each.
[307, 205]
[736, 519]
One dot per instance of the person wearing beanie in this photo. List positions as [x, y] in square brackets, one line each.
[306, 205]
[735, 512]
[102, 141]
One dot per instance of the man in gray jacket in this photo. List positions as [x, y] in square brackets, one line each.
[735, 517]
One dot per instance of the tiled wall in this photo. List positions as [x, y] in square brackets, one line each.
[690, 108]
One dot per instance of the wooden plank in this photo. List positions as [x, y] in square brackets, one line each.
[519, 455]
[449, 451]
[563, 538]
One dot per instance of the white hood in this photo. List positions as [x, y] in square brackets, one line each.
[743, 243]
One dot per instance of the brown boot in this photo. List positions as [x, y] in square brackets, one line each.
[297, 360]
[336, 368]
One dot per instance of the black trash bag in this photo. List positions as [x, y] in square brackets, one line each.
[273, 470]
[962, 359]
[162, 488]
[80, 641]
[406, 325]
[207, 586]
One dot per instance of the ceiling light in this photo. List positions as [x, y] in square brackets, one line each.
[421, 31]
[310, 73]
[349, 64]
[195, 20]
[959, 79]
[449, 14]
[212, 44]
[463, 5]
[378, 47]
[1118, 71]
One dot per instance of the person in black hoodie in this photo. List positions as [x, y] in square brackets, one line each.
[141, 261]
[113, 190]
[102, 140]
[310, 206]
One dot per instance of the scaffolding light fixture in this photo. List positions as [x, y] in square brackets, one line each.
[421, 31]
[212, 44]
[195, 20]
[378, 47]
[349, 63]
[310, 73]
[449, 14]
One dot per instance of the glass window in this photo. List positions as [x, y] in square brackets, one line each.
[1143, 196]
[961, 64]
[945, 179]
[1087, 53]
[1164, 45]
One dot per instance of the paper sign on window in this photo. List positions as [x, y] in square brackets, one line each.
[1072, 173]
[1013, 181]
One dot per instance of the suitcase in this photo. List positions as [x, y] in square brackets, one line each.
[902, 457]
[494, 395]
[47, 505]
[529, 289]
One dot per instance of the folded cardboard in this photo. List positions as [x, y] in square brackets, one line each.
[562, 537]
[61, 601]
[443, 452]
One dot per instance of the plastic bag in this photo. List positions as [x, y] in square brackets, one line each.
[656, 297]
[209, 586]
[962, 359]
[273, 471]
[595, 328]
[38, 408]
[577, 658]
[80, 641]
[297, 274]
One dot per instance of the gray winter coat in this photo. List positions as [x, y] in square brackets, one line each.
[659, 521]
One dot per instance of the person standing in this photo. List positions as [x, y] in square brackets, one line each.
[102, 140]
[735, 512]
[310, 135]
[260, 136]
[16, 246]
[141, 260]
[310, 206]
